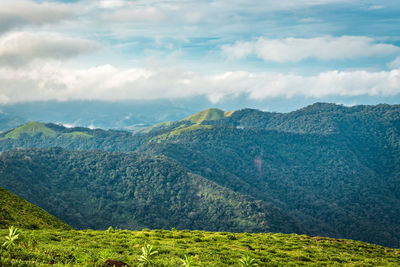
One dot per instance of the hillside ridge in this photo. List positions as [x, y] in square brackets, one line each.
[15, 211]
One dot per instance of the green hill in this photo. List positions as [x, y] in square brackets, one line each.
[95, 189]
[207, 115]
[31, 128]
[20, 213]
[92, 248]
[44, 130]
[42, 135]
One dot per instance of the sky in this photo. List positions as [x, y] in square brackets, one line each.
[250, 52]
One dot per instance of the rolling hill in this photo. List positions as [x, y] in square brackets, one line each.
[20, 213]
[44, 135]
[211, 114]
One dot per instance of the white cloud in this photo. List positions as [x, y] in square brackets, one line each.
[18, 48]
[141, 14]
[110, 83]
[297, 49]
[112, 3]
[21, 12]
[395, 63]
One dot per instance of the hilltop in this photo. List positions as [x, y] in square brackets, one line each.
[31, 129]
[210, 114]
[20, 213]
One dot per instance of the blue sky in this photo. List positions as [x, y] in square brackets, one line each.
[241, 51]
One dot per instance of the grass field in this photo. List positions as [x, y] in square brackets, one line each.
[92, 248]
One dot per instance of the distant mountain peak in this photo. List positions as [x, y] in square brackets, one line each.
[210, 114]
[31, 128]
[52, 130]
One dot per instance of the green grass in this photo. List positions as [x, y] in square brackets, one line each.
[31, 128]
[20, 213]
[91, 248]
[206, 115]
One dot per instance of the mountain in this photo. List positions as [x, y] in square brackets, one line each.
[207, 115]
[31, 129]
[334, 170]
[129, 115]
[94, 189]
[44, 135]
[20, 213]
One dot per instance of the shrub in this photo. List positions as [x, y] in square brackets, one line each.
[11, 238]
[247, 261]
[146, 259]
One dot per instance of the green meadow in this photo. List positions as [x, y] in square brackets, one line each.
[92, 248]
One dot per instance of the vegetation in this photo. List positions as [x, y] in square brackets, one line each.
[187, 261]
[44, 135]
[11, 238]
[15, 211]
[247, 261]
[92, 248]
[95, 189]
[323, 170]
[31, 128]
[207, 115]
[147, 257]
[341, 179]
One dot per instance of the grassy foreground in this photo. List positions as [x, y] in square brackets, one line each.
[91, 248]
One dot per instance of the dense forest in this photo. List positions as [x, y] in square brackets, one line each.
[95, 189]
[322, 170]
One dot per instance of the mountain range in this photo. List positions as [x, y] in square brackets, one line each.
[325, 169]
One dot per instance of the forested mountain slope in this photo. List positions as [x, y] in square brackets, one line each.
[95, 189]
[334, 169]
[15, 211]
[45, 135]
[322, 180]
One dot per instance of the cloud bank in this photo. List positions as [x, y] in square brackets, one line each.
[20, 48]
[35, 49]
[18, 13]
[111, 83]
[297, 49]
